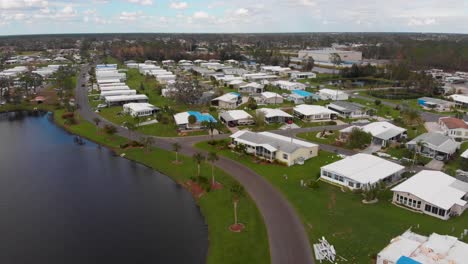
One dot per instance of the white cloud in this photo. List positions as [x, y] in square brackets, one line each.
[201, 15]
[130, 16]
[22, 4]
[242, 12]
[141, 2]
[178, 5]
[421, 22]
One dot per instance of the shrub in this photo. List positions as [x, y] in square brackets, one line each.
[110, 129]
[313, 184]
[67, 115]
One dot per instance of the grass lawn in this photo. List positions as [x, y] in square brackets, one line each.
[249, 246]
[357, 231]
[381, 110]
[452, 166]
[312, 136]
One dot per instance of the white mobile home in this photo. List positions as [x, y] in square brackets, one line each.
[140, 109]
[270, 98]
[234, 118]
[314, 113]
[274, 147]
[227, 101]
[434, 193]
[330, 94]
[274, 115]
[117, 92]
[124, 99]
[360, 170]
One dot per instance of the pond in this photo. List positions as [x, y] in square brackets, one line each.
[62, 202]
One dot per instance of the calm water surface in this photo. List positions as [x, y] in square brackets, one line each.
[64, 203]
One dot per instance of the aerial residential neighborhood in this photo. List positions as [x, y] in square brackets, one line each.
[276, 132]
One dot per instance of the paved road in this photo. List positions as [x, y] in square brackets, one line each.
[287, 237]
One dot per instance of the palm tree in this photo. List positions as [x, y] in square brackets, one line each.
[419, 145]
[147, 142]
[198, 158]
[212, 158]
[237, 192]
[176, 147]
[97, 121]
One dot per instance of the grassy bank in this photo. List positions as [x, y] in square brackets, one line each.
[250, 246]
[357, 231]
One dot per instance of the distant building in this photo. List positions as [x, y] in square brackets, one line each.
[303, 75]
[274, 147]
[411, 248]
[360, 170]
[323, 55]
[330, 94]
[454, 127]
[433, 193]
[435, 104]
[290, 86]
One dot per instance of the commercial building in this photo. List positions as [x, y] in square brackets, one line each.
[412, 248]
[454, 127]
[433, 193]
[361, 170]
[324, 55]
[140, 109]
[271, 115]
[274, 147]
[234, 118]
[330, 94]
[227, 101]
[434, 145]
[314, 113]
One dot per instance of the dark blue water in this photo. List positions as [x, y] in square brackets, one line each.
[64, 203]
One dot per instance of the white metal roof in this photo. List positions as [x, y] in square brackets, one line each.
[364, 168]
[139, 107]
[270, 112]
[383, 130]
[331, 91]
[308, 110]
[269, 95]
[235, 115]
[460, 98]
[229, 97]
[436, 188]
[119, 98]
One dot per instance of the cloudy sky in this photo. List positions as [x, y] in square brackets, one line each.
[95, 16]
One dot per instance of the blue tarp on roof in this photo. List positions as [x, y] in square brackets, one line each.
[406, 260]
[302, 93]
[202, 117]
[234, 93]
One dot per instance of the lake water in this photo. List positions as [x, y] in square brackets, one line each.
[65, 203]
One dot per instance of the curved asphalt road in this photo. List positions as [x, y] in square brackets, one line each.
[287, 237]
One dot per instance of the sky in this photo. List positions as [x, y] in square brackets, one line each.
[231, 16]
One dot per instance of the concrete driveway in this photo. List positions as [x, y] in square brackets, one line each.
[435, 165]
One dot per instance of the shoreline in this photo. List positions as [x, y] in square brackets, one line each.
[54, 119]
